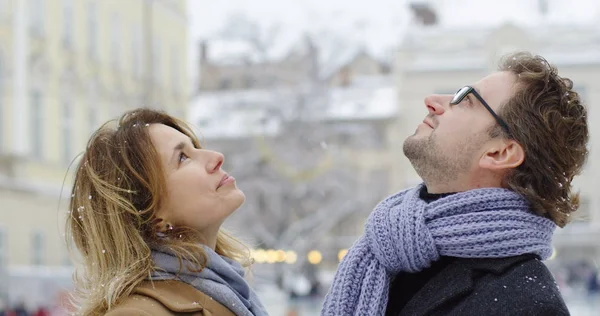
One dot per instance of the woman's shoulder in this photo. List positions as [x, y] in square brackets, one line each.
[167, 298]
[139, 305]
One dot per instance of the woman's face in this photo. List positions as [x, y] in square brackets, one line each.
[200, 195]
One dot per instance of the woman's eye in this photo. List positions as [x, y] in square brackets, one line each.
[182, 157]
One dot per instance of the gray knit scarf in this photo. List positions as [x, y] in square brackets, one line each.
[222, 279]
[406, 234]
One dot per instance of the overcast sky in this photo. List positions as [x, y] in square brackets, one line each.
[380, 23]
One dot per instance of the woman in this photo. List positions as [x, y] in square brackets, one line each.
[145, 215]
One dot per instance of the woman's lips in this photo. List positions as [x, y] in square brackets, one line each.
[226, 180]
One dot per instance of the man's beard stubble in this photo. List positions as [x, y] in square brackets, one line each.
[434, 165]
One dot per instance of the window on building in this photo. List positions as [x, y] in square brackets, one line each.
[225, 84]
[68, 22]
[249, 81]
[36, 125]
[36, 20]
[92, 30]
[345, 76]
[67, 131]
[37, 249]
[115, 40]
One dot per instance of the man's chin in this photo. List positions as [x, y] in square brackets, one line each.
[414, 147]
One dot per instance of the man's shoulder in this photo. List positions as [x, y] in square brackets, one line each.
[522, 272]
[520, 285]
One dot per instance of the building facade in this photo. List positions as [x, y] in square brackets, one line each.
[67, 66]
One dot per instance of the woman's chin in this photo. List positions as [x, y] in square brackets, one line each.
[236, 199]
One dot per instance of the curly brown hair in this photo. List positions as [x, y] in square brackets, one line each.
[548, 118]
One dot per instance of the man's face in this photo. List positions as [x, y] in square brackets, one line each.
[446, 147]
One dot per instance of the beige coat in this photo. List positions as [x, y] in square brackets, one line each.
[166, 298]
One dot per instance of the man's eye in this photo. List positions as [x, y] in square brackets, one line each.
[467, 100]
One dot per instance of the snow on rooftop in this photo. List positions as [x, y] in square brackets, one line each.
[349, 104]
[232, 114]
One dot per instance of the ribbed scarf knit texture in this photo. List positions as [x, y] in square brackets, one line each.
[406, 234]
[222, 279]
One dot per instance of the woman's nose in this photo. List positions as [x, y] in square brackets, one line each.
[215, 162]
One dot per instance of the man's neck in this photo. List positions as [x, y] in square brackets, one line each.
[430, 197]
[434, 187]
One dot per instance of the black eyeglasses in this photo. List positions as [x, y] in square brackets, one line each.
[464, 91]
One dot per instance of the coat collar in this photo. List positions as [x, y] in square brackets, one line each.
[181, 297]
[456, 280]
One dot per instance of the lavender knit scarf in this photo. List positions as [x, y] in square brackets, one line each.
[406, 234]
[222, 279]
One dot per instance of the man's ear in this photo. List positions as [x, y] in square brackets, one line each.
[505, 154]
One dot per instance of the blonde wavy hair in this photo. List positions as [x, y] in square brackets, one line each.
[119, 184]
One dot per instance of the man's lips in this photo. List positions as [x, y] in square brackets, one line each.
[428, 123]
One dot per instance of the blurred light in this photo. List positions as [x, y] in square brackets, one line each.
[342, 254]
[280, 256]
[259, 255]
[314, 257]
[290, 257]
[553, 256]
[271, 256]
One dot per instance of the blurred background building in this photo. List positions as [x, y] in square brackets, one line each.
[66, 67]
[305, 135]
[309, 103]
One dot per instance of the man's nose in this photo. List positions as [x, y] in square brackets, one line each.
[435, 103]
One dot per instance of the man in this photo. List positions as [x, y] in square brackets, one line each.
[497, 160]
